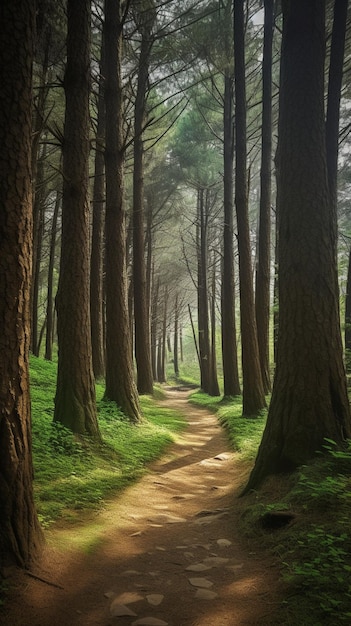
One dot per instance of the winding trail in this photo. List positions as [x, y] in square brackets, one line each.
[167, 550]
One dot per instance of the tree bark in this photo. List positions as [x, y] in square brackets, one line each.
[229, 342]
[120, 384]
[253, 393]
[20, 536]
[141, 309]
[214, 386]
[203, 322]
[262, 302]
[176, 337]
[309, 399]
[75, 405]
[336, 65]
[96, 272]
[50, 287]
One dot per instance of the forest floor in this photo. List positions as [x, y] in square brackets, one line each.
[166, 551]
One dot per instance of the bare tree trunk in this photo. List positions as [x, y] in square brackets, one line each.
[176, 335]
[214, 386]
[229, 351]
[264, 242]
[96, 273]
[20, 536]
[120, 384]
[253, 393]
[204, 339]
[50, 289]
[141, 310]
[333, 102]
[154, 325]
[75, 403]
[38, 231]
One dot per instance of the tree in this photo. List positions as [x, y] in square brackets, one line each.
[120, 385]
[253, 393]
[262, 301]
[309, 399]
[96, 271]
[145, 17]
[20, 536]
[75, 405]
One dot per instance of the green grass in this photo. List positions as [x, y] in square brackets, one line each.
[75, 474]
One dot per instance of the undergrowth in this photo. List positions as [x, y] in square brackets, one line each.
[73, 474]
[314, 548]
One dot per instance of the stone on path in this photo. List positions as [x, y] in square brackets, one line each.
[118, 610]
[198, 567]
[200, 582]
[224, 543]
[128, 597]
[155, 598]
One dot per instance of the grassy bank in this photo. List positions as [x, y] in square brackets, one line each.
[74, 474]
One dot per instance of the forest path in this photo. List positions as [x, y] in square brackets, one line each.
[167, 550]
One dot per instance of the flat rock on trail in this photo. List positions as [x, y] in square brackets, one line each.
[166, 551]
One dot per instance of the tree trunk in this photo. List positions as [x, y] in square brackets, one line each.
[154, 324]
[214, 386]
[50, 289]
[309, 399]
[38, 231]
[75, 405]
[333, 103]
[253, 393]
[120, 384]
[141, 310]
[176, 335]
[229, 351]
[348, 317]
[20, 536]
[264, 242]
[96, 272]
[204, 338]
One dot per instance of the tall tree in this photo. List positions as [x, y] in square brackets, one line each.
[20, 536]
[120, 385]
[262, 301]
[253, 393]
[145, 17]
[96, 272]
[75, 404]
[309, 399]
[229, 341]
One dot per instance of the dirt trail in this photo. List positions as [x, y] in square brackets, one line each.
[167, 550]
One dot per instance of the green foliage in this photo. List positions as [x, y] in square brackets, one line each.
[322, 573]
[316, 549]
[73, 473]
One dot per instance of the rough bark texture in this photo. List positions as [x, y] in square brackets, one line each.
[253, 393]
[229, 341]
[262, 301]
[141, 300]
[20, 534]
[176, 337]
[96, 272]
[202, 293]
[120, 384]
[75, 405]
[333, 103]
[50, 290]
[309, 400]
